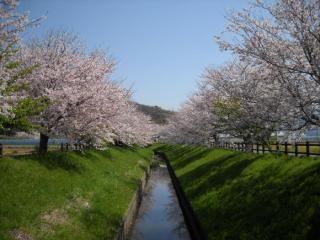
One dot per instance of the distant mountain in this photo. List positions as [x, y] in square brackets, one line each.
[158, 115]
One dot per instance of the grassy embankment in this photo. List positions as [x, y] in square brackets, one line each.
[248, 196]
[68, 195]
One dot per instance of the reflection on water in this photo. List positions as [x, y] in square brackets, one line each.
[160, 216]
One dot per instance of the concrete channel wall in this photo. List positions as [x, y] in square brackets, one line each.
[133, 209]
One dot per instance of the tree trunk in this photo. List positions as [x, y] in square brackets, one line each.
[43, 147]
[248, 143]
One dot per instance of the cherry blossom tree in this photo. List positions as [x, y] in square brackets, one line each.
[84, 104]
[249, 102]
[14, 107]
[194, 122]
[134, 127]
[80, 96]
[238, 99]
[283, 36]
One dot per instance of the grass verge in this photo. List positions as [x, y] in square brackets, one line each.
[68, 195]
[248, 196]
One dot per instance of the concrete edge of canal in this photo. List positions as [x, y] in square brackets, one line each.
[129, 217]
[191, 220]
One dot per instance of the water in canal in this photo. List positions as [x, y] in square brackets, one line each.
[160, 216]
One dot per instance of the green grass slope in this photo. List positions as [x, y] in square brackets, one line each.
[68, 195]
[248, 196]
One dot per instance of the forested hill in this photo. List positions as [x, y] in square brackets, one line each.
[157, 114]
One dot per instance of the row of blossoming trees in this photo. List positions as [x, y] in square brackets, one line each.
[54, 85]
[272, 84]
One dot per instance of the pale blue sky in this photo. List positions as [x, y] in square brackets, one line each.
[161, 46]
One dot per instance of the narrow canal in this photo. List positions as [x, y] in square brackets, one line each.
[160, 216]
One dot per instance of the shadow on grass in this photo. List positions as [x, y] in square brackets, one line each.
[269, 207]
[134, 149]
[192, 155]
[183, 155]
[273, 200]
[216, 173]
[69, 161]
[55, 160]
[93, 154]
